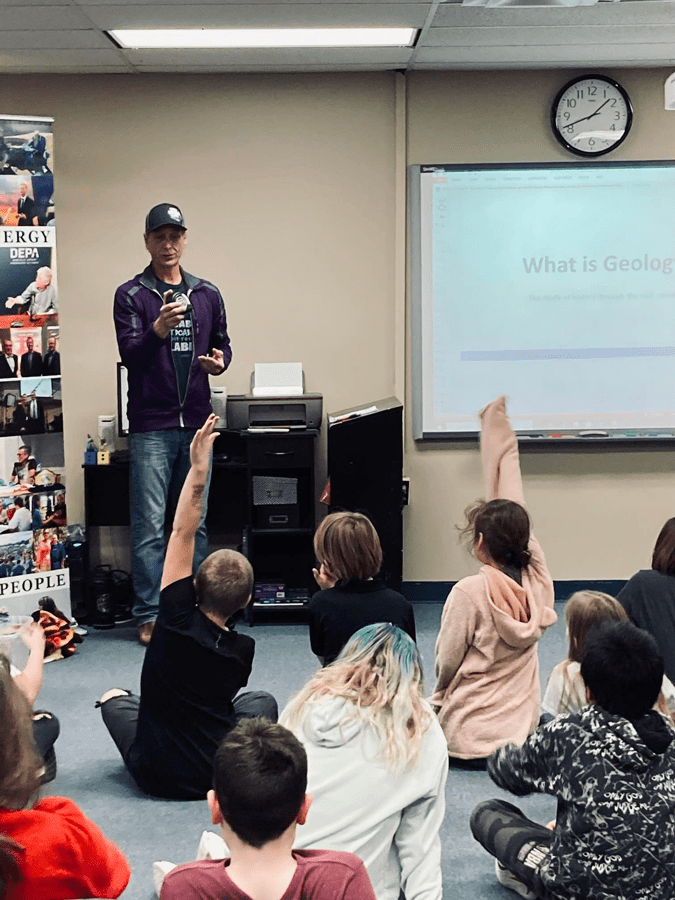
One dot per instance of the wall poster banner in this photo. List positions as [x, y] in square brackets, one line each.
[33, 530]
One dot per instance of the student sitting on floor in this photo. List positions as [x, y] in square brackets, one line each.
[377, 763]
[566, 691]
[349, 554]
[48, 848]
[649, 596]
[29, 681]
[194, 664]
[260, 777]
[612, 768]
[487, 665]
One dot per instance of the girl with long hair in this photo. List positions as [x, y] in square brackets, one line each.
[487, 667]
[377, 763]
[48, 848]
[566, 691]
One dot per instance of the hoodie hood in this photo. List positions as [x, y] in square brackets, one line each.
[331, 722]
[518, 620]
[628, 744]
[653, 731]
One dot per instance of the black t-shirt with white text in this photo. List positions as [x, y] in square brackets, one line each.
[182, 339]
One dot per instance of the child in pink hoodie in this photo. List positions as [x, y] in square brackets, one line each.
[487, 668]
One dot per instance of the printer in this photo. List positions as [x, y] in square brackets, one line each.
[303, 411]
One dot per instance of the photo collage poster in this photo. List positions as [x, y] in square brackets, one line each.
[33, 526]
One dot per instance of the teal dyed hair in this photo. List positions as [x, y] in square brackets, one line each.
[380, 673]
[370, 639]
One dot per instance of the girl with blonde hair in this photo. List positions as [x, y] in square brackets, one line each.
[377, 763]
[566, 691]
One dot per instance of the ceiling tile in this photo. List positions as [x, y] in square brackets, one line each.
[42, 60]
[18, 18]
[272, 15]
[54, 40]
[656, 12]
[543, 56]
[539, 36]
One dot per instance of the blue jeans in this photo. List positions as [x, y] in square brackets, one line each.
[160, 460]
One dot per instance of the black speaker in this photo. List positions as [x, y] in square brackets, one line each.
[365, 466]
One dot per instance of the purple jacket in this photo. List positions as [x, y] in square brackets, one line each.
[153, 386]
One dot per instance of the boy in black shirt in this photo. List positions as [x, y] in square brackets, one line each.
[194, 664]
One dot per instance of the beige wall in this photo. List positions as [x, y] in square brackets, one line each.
[596, 512]
[288, 184]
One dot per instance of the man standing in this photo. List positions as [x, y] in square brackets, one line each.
[31, 360]
[51, 361]
[36, 415]
[9, 363]
[172, 334]
[25, 207]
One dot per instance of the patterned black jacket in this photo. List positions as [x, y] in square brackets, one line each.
[615, 784]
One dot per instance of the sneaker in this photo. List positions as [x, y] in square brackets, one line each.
[506, 878]
[123, 616]
[211, 846]
[77, 628]
[160, 870]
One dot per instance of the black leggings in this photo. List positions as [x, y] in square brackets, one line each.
[517, 842]
[45, 731]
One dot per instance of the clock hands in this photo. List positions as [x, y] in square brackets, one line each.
[597, 111]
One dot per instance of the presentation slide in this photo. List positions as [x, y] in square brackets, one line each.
[554, 285]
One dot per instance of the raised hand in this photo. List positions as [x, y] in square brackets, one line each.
[202, 443]
[323, 577]
[33, 636]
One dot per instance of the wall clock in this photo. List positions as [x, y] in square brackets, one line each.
[591, 115]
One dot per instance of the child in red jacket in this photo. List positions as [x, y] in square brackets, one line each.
[50, 849]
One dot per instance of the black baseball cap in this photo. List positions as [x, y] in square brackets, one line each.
[164, 214]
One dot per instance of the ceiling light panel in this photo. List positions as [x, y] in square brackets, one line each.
[260, 38]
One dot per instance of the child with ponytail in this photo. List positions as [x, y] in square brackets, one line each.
[487, 667]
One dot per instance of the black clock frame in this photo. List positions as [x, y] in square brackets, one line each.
[590, 154]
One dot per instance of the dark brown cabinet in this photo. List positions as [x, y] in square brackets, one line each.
[261, 501]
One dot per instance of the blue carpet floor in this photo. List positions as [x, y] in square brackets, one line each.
[91, 772]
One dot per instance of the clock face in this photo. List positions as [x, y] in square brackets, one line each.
[591, 115]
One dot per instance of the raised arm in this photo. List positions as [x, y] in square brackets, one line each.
[499, 452]
[30, 680]
[181, 547]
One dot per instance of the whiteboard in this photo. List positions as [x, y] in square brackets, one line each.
[551, 283]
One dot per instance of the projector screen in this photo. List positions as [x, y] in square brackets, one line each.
[552, 284]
